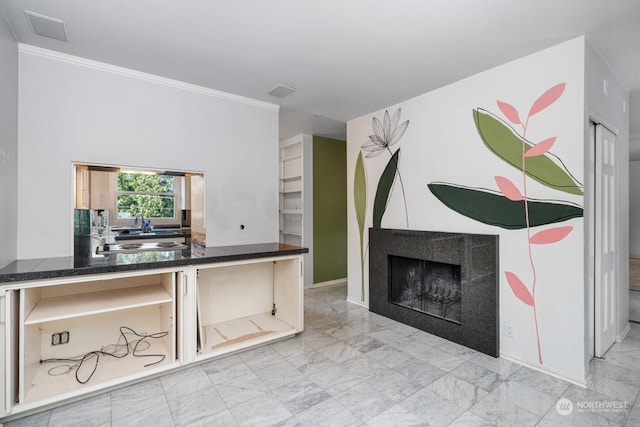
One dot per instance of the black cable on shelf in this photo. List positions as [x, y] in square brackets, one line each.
[130, 347]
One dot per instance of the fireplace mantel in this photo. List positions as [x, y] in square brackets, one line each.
[477, 256]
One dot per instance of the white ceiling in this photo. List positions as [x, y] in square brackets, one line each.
[345, 57]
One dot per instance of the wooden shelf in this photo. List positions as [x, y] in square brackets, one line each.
[291, 233]
[291, 178]
[290, 191]
[45, 385]
[243, 331]
[291, 212]
[70, 306]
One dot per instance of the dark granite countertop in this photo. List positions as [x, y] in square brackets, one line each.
[49, 268]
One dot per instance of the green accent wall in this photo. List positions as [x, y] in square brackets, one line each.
[329, 209]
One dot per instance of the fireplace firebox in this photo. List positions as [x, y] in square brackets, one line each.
[443, 283]
[426, 286]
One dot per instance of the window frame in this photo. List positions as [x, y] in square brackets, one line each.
[177, 197]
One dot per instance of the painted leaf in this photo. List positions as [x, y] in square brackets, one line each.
[505, 143]
[519, 289]
[547, 98]
[541, 147]
[377, 128]
[494, 209]
[360, 193]
[510, 112]
[385, 184]
[551, 235]
[508, 188]
[360, 201]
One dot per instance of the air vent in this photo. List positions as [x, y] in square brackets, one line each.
[281, 91]
[47, 26]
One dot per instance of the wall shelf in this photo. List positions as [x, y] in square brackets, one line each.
[290, 178]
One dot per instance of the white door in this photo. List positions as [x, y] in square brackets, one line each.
[605, 241]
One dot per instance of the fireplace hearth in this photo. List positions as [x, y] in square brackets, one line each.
[442, 283]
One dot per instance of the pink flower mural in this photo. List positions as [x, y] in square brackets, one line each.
[511, 207]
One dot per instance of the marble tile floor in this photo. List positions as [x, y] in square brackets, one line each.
[351, 367]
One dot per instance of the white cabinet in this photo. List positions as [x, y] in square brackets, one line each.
[4, 390]
[242, 305]
[296, 200]
[66, 338]
[80, 335]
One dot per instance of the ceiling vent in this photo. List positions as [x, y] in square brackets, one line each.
[47, 26]
[281, 91]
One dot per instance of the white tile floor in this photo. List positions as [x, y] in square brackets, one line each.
[354, 368]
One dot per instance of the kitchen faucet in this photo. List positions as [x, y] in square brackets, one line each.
[145, 226]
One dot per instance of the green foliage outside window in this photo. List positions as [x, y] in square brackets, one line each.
[150, 196]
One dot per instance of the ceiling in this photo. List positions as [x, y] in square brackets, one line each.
[346, 58]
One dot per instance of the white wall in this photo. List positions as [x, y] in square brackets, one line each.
[442, 144]
[75, 110]
[8, 144]
[634, 209]
[612, 109]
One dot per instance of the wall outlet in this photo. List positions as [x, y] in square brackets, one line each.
[59, 338]
[509, 330]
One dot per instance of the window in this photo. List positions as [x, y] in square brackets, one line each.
[142, 194]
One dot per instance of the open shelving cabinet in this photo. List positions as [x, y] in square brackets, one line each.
[241, 305]
[91, 312]
[292, 191]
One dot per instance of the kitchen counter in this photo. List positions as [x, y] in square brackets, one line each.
[47, 268]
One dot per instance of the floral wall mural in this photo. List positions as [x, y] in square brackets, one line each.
[385, 135]
[511, 207]
[501, 153]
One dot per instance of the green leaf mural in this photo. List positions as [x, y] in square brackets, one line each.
[360, 201]
[502, 140]
[385, 184]
[494, 209]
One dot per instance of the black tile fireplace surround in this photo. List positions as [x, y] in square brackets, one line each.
[477, 257]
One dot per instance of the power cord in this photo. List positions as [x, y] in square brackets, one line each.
[117, 350]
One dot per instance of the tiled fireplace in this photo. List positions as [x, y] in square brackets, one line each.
[442, 283]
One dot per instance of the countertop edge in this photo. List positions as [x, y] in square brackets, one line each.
[228, 256]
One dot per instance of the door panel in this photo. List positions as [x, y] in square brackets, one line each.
[605, 241]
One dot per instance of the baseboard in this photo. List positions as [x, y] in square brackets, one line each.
[360, 303]
[585, 384]
[329, 283]
[624, 333]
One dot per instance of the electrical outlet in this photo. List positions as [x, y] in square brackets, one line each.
[509, 330]
[59, 338]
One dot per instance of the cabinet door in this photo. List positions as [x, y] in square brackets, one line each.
[6, 354]
[102, 190]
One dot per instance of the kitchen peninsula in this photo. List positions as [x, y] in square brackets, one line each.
[76, 327]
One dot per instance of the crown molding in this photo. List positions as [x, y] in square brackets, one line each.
[127, 72]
